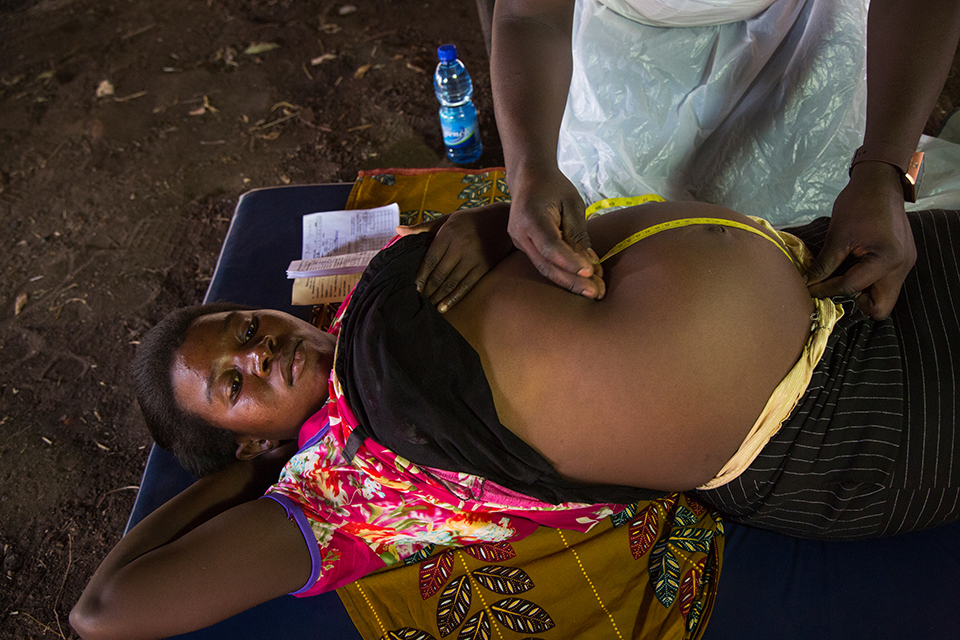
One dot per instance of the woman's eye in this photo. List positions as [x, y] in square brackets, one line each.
[235, 385]
[251, 331]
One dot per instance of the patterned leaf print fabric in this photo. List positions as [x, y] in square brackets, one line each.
[425, 194]
[555, 584]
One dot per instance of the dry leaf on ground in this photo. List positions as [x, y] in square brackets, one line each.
[260, 47]
[104, 89]
[321, 59]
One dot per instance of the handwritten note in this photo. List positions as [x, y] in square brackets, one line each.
[336, 233]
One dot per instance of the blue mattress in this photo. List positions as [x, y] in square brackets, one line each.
[771, 586]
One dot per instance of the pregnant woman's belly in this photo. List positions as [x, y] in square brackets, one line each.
[656, 385]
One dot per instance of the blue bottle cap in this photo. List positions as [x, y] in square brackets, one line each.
[447, 52]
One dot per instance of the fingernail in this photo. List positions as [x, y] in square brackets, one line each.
[586, 272]
[443, 307]
[593, 256]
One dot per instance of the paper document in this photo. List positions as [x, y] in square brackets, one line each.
[337, 246]
[336, 233]
[330, 266]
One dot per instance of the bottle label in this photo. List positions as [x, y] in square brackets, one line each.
[459, 127]
[459, 136]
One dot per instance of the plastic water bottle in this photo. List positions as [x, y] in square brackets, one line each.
[458, 116]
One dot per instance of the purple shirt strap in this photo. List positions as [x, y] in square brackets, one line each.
[294, 513]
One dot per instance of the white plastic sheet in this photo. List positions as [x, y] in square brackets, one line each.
[687, 13]
[761, 115]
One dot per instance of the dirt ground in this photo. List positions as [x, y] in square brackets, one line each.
[114, 207]
[127, 132]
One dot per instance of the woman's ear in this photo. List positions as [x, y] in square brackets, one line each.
[249, 448]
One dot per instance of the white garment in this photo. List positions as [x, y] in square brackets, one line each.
[761, 115]
[687, 13]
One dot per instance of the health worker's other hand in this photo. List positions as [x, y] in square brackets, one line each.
[466, 245]
[547, 223]
[869, 224]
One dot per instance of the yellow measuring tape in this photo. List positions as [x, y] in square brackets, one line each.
[686, 222]
[620, 203]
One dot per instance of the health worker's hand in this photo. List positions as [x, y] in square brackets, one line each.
[869, 224]
[547, 223]
[466, 245]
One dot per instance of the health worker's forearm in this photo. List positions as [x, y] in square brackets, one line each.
[531, 65]
[910, 46]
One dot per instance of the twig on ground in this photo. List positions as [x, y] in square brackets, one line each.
[277, 121]
[58, 308]
[6, 443]
[137, 32]
[127, 488]
[132, 96]
[379, 35]
[22, 613]
[56, 616]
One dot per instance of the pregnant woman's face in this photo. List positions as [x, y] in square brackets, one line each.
[257, 373]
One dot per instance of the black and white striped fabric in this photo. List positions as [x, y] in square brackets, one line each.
[872, 447]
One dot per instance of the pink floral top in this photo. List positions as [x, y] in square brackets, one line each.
[379, 509]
